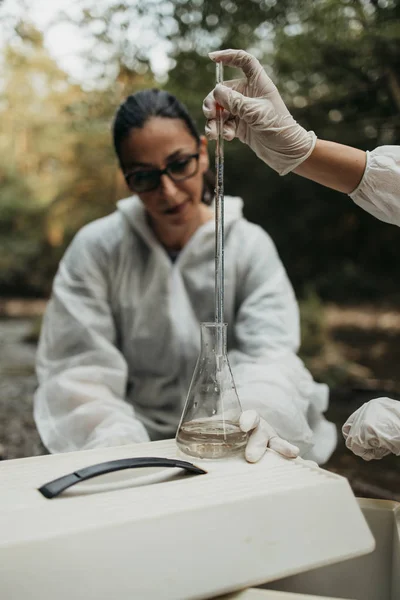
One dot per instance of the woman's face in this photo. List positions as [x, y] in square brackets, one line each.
[162, 143]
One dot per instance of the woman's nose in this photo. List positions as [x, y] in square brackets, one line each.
[167, 187]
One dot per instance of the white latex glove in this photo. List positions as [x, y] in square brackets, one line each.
[373, 431]
[263, 436]
[256, 114]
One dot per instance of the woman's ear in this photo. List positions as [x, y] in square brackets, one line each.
[203, 154]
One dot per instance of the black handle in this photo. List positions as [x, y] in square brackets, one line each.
[55, 487]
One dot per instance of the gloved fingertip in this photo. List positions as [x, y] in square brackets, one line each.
[228, 135]
[249, 419]
[211, 129]
[349, 443]
[345, 430]
[213, 55]
[229, 131]
[221, 95]
[283, 447]
[254, 454]
[295, 451]
[209, 113]
[220, 88]
[292, 452]
[368, 456]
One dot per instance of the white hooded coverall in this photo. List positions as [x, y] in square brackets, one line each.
[121, 335]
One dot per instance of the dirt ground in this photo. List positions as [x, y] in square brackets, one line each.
[367, 340]
[18, 435]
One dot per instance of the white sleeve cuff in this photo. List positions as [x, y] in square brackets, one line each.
[378, 192]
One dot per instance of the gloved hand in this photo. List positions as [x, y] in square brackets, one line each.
[373, 431]
[256, 114]
[263, 436]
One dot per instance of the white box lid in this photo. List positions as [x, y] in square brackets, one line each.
[194, 537]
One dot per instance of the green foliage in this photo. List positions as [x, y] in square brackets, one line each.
[335, 61]
[313, 332]
[57, 165]
[18, 220]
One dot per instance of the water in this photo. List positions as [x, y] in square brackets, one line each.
[211, 439]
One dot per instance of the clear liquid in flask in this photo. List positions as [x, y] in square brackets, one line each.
[211, 439]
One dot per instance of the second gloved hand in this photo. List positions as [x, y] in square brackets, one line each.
[256, 114]
[373, 431]
[263, 436]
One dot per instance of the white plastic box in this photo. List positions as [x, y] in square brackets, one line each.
[375, 576]
[186, 538]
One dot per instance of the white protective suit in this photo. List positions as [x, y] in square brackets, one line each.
[379, 189]
[121, 335]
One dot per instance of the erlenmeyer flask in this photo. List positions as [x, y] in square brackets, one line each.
[209, 426]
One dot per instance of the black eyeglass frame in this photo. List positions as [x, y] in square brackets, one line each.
[161, 172]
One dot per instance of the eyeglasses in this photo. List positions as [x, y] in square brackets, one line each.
[177, 170]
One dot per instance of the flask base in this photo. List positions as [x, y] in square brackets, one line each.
[211, 439]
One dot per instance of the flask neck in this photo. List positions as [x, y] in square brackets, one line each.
[213, 338]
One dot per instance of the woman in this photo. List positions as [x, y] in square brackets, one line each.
[120, 337]
[257, 115]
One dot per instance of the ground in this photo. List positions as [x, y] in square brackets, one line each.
[364, 342]
[18, 435]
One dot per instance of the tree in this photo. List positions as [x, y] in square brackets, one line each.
[57, 165]
[337, 64]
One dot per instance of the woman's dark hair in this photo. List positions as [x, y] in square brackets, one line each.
[139, 107]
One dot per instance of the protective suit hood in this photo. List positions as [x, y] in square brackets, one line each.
[134, 212]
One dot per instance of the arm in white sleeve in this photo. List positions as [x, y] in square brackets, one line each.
[269, 376]
[379, 189]
[82, 375]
